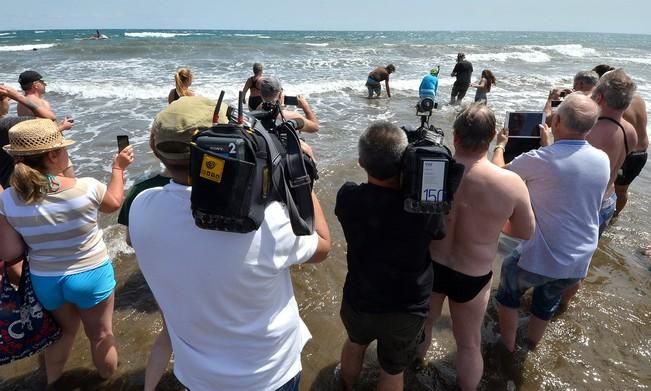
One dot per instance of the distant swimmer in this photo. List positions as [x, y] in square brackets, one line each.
[375, 77]
[98, 35]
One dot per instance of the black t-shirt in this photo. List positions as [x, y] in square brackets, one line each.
[463, 71]
[6, 161]
[389, 267]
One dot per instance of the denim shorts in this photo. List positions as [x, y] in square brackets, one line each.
[85, 289]
[292, 384]
[606, 212]
[547, 291]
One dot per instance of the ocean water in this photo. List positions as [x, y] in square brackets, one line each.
[116, 86]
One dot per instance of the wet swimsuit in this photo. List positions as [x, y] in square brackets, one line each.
[631, 168]
[254, 101]
[633, 163]
[458, 287]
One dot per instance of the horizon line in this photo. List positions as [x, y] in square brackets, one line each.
[324, 30]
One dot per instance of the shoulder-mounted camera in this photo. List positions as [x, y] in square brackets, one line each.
[238, 168]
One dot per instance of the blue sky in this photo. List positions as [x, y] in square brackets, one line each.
[513, 15]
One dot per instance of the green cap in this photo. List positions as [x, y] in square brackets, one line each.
[434, 72]
[181, 120]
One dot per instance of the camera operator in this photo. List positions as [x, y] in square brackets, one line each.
[389, 281]
[227, 298]
[489, 200]
[272, 92]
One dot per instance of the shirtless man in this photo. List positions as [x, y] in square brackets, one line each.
[558, 255]
[634, 163]
[33, 85]
[613, 135]
[489, 200]
[636, 115]
[375, 77]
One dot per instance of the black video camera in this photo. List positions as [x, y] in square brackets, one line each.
[430, 176]
[238, 168]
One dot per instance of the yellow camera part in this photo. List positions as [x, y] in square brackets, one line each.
[212, 168]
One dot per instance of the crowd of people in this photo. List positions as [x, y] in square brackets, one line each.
[239, 327]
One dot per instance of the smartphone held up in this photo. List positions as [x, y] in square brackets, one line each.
[123, 142]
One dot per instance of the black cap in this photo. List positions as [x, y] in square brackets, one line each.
[28, 77]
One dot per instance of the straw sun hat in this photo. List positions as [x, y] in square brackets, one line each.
[35, 136]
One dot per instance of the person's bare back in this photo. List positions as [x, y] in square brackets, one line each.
[636, 116]
[379, 74]
[488, 200]
[607, 136]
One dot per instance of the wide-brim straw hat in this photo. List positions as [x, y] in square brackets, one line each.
[35, 136]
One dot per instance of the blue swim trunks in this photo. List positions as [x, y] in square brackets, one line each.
[85, 289]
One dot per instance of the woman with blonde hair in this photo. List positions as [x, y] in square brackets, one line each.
[183, 80]
[54, 219]
[484, 86]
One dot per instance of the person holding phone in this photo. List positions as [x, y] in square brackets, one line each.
[34, 86]
[56, 216]
[272, 91]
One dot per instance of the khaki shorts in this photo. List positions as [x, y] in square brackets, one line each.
[398, 335]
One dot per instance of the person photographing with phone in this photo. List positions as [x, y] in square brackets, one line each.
[54, 219]
[272, 92]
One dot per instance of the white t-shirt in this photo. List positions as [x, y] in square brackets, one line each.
[566, 183]
[227, 297]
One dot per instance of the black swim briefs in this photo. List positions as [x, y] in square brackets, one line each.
[458, 287]
[632, 167]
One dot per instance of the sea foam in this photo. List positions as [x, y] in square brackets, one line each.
[22, 48]
[155, 34]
